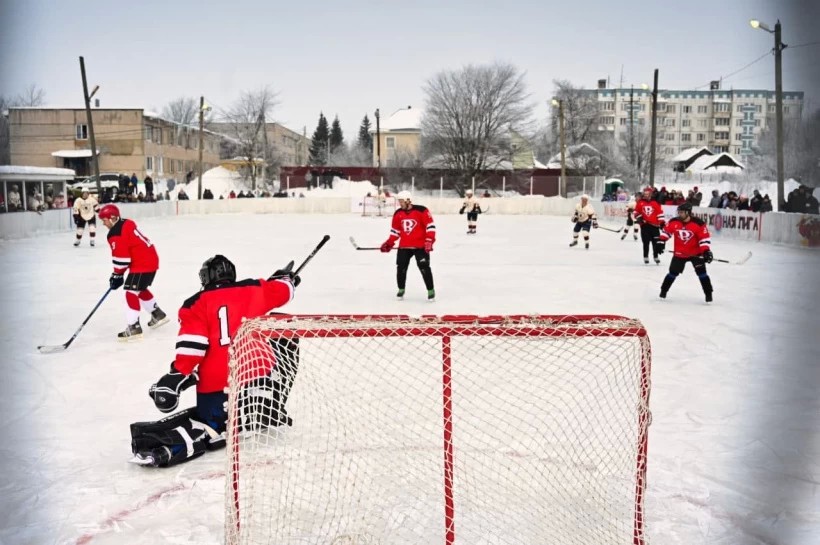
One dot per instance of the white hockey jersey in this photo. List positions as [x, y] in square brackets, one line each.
[584, 213]
[86, 207]
[471, 204]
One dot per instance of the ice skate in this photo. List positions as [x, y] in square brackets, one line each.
[573, 243]
[663, 294]
[709, 297]
[157, 318]
[657, 260]
[92, 242]
[586, 245]
[646, 261]
[431, 295]
[400, 294]
[132, 332]
[623, 236]
[635, 237]
[76, 243]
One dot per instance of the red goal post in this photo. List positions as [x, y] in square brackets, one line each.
[452, 429]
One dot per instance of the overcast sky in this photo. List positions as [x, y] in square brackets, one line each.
[351, 57]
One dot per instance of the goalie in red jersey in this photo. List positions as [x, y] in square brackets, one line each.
[208, 322]
[415, 230]
[692, 245]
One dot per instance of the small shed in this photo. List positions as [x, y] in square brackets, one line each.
[33, 188]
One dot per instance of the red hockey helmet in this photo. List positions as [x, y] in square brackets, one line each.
[109, 211]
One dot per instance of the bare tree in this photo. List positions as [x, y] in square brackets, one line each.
[182, 110]
[801, 158]
[31, 96]
[246, 122]
[580, 113]
[468, 111]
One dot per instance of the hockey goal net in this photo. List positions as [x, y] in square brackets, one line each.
[438, 430]
[379, 206]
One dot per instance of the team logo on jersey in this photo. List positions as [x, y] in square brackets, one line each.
[647, 210]
[408, 225]
[685, 235]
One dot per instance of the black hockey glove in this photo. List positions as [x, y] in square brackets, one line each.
[77, 220]
[661, 246]
[115, 281]
[462, 209]
[167, 389]
[575, 219]
[286, 272]
[707, 256]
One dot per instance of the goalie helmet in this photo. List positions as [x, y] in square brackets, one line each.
[109, 211]
[216, 271]
[404, 196]
[685, 207]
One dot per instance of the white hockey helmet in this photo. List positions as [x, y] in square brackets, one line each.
[584, 196]
[469, 192]
[404, 196]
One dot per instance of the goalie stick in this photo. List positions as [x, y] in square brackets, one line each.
[46, 349]
[353, 242]
[740, 261]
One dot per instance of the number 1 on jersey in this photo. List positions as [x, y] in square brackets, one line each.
[224, 336]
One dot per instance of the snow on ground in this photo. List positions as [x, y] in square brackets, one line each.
[734, 446]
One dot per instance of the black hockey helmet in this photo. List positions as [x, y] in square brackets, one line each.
[685, 207]
[217, 270]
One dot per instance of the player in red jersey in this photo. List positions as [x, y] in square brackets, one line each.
[692, 244]
[207, 323]
[413, 227]
[132, 251]
[649, 215]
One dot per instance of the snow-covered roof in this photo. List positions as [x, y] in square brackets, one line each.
[709, 162]
[576, 156]
[15, 172]
[406, 119]
[72, 153]
[688, 153]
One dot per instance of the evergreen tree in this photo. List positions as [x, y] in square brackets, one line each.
[319, 142]
[336, 136]
[365, 138]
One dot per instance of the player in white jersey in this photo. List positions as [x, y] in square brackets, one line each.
[583, 218]
[473, 209]
[85, 208]
[630, 220]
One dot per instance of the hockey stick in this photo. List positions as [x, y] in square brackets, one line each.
[313, 253]
[741, 261]
[61, 347]
[353, 242]
[610, 230]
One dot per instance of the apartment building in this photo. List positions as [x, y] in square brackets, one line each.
[128, 140]
[728, 121]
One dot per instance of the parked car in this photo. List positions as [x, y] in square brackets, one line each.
[107, 179]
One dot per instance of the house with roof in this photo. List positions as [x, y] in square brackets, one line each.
[722, 163]
[682, 161]
[397, 142]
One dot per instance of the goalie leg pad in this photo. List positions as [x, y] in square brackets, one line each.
[173, 440]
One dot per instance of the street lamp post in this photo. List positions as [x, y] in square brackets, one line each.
[653, 137]
[562, 187]
[94, 157]
[779, 46]
[378, 142]
[202, 109]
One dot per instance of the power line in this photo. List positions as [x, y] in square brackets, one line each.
[807, 44]
[741, 69]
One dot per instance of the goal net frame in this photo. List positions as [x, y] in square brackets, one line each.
[375, 207]
[445, 329]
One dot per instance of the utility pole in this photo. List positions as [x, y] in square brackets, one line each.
[378, 143]
[778, 97]
[201, 143]
[562, 186]
[654, 130]
[632, 125]
[94, 158]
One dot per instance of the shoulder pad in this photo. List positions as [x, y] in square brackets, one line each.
[419, 207]
[696, 220]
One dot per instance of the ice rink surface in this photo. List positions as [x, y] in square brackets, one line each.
[734, 445]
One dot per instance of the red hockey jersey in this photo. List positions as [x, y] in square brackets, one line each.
[130, 249]
[691, 238]
[649, 212]
[412, 227]
[209, 320]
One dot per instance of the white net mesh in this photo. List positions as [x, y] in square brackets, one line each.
[470, 430]
[379, 206]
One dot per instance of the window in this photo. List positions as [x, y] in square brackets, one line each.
[759, 108]
[670, 136]
[738, 122]
[81, 132]
[149, 163]
[770, 109]
[757, 122]
[721, 135]
[702, 109]
[686, 137]
[623, 121]
[147, 130]
[390, 142]
[738, 136]
[608, 106]
[739, 108]
[157, 135]
[670, 123]
[701, 137]
[685, 122]
[721, 149]
[722, 122]
[722, 107]
[159, 165]
[686, 109]
[670, 108]
[703, 123]
[786, 109]
[607, 120]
